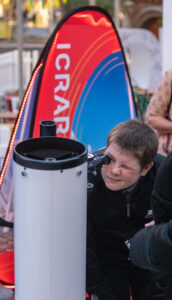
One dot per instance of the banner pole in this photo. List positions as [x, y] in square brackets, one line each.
[20, 47]
[116, 6]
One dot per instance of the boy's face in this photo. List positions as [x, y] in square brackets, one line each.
[123, 170]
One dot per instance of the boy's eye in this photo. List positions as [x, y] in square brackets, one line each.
[126, 167]
[107, 159]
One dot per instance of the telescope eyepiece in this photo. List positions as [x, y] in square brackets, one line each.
[47, 128]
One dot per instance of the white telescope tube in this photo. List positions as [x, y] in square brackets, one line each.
[50, 220]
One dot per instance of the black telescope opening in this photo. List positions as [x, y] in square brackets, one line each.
[50, 153]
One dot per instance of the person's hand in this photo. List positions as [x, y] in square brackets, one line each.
[152, 223]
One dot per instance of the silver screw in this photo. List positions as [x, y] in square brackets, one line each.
[78, 173]
[24, 173]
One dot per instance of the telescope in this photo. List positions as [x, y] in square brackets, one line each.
[50, 204]
[50, 200]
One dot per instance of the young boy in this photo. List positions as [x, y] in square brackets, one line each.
[118, 206]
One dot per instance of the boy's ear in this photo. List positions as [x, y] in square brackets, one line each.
[147, 168]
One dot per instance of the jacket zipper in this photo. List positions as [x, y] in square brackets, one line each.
[128, 207]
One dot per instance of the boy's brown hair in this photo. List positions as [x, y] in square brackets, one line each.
[135, 137]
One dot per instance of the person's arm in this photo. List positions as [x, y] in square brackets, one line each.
[151, 248]
[156, 114]
[162, 125]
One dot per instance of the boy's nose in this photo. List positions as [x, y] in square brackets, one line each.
[116, 170]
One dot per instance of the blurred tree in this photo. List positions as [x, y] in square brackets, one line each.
[106, 4]
[76, 3]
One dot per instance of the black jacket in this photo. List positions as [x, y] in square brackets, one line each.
[113, 218]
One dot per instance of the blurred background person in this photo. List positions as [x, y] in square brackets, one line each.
[159, 113]
[151, 248]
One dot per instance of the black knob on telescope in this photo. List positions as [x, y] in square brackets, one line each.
[47, 128]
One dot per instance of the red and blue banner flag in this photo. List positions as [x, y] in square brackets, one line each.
[81, 82]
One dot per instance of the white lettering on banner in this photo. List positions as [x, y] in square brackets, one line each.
[62, 121]
[63, 46]
[61, 85]
[60, 57]
[63, 107]
[62, 63]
